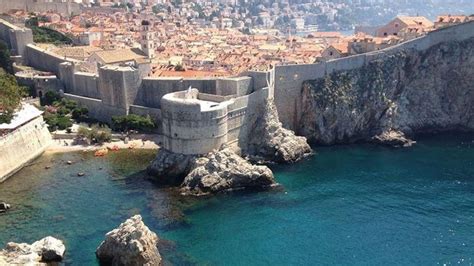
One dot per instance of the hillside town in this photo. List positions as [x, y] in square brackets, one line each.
[243, 132]
[178, 42]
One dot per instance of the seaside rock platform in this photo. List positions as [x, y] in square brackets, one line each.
[48, 249]
[225, 171]
[218, 171]
[132, 243]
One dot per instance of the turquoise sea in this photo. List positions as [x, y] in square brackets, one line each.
[348, 205]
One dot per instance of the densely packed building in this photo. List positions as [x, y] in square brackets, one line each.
[214, 39]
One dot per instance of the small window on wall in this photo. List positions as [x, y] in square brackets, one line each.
[331, 53]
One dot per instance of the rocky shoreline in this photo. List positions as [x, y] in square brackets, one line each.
[46, 250]
[131, 244]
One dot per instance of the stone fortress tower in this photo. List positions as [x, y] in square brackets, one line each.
[147, 39]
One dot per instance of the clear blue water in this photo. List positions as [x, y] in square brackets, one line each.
[348, 205]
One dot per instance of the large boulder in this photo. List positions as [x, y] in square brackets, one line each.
[223, 171]
[132, 243]
[48, 249]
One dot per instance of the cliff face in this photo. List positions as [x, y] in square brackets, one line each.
[403, 94]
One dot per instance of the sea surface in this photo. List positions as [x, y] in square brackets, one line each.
[347, 205]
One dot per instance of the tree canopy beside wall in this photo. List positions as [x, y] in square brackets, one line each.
[5, 60]
[45, 34]
[133, 122]
[10, 96]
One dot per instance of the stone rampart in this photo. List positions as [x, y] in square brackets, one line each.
[23, 145]
[198, 123]
[64, 8]
[118, 86]
[97, 108]
[44, 60]
[39, 82]
[86, 84]
[192, 125]
[15, 37]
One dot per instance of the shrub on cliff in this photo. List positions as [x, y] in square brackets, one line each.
[133, 122]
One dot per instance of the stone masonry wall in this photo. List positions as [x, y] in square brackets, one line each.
[22, 145]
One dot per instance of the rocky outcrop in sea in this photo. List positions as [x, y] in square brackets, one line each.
[216, 172]
[393, 98]
[132, 243]
[48, 249]
[223, 171]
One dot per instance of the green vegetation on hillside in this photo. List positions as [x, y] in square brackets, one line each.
[46, 35]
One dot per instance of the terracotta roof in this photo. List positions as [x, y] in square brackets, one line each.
[416, 21]
[78, 52]
[117, 56]
[341, 47]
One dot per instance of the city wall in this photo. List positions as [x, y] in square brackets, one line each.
[43, 60]
[40, 83]
[23, 145]
[64, 8]
[289, 79]
[15, 37]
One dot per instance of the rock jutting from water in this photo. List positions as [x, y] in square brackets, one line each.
[218, 171]
[393, 138]
[132, 243]
[48, 249]
[223, 171]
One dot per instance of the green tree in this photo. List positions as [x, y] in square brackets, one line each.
[5, 59]
[132, 122]
[50, 97]
[10, 96]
